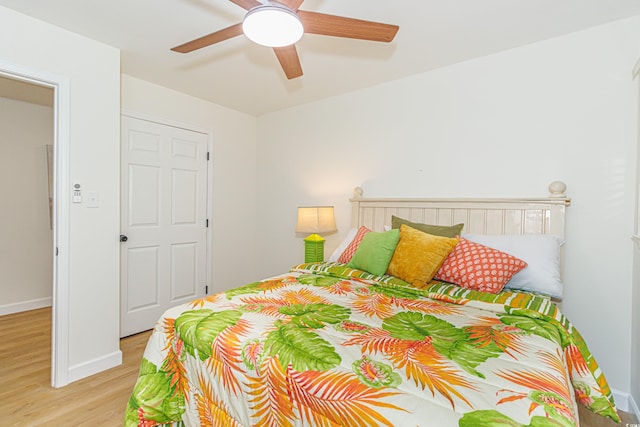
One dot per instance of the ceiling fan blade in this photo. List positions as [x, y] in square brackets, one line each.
[246, 4]
[209, 39]
[291, 4]
[339, 26]
[288, 57]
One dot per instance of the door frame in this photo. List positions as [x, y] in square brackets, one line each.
[61, 192]
[209, 214]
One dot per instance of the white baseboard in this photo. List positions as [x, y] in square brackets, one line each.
[21, 306]
[625, 402]
[633, 407]
[86, 369]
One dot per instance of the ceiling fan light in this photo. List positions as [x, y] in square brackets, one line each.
[272, 25]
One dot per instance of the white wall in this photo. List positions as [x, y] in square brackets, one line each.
[504, 125]
[635, 332]
[635, 304]
[26, 251]
[93, 70]
[234, 172]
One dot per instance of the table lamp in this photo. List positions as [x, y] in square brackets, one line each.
[315, 220]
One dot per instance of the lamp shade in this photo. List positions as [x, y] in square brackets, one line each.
[272, 24]
[316, 219]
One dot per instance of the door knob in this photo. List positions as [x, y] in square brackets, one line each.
[123, 238]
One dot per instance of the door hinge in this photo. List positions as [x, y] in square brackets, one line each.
[207, 156]
[206, 289]
[207, 223]
[56, 251]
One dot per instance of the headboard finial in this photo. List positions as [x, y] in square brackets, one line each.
[357, 193]
[557, 189]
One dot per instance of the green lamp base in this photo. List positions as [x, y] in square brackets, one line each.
[314, 248]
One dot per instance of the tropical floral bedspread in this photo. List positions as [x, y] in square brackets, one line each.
[325, 345]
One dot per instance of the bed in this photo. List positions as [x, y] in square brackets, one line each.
[347, 344]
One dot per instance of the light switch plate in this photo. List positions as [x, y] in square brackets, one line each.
[91, 199]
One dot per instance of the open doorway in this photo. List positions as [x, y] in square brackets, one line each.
[26, 185]
[58, 214]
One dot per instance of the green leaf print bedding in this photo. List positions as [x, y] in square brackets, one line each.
[327, 345]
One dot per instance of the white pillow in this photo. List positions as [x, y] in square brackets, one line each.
[338, 251]
[542, 254]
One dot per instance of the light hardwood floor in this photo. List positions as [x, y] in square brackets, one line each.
[27, 399]
[26, 395]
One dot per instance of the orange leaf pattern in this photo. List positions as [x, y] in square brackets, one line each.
[493, 331]
[337, 398]
[551, 389]
[425, 366]
[199, 302]
[175, 370]
[212, 412]
[225, 357]
[372, 304]
[271, 405]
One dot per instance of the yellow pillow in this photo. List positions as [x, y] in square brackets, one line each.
[419, 255]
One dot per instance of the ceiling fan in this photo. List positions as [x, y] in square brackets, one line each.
[288, 25]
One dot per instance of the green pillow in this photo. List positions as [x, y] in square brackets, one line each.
[438, 230]
[375, 252]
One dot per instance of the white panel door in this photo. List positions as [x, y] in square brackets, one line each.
[163, 216]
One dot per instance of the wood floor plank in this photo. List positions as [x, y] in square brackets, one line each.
[27, 398]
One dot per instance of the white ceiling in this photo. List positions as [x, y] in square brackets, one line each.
[246, 77]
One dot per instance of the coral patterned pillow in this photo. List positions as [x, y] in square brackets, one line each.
[346, 256]
[478, 267]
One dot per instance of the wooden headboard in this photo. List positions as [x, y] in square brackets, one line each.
[480, 216]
